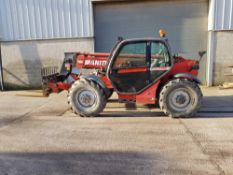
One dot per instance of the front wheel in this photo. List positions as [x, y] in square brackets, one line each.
[180, 98]
[86, 98]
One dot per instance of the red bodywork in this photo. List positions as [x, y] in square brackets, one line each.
[91, 61]
[99, 61]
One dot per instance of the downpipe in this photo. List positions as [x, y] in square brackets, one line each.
[1, 71]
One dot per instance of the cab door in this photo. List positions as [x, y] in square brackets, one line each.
[138, 64]
[129, 71]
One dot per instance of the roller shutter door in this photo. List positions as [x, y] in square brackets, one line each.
[185, 21]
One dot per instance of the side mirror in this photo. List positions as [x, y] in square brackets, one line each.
[201, 54]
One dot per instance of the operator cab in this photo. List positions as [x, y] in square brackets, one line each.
[138, 63]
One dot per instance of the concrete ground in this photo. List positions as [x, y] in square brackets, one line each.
[42, 136]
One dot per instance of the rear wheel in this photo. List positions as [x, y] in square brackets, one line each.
[180, 98]
[86, 98]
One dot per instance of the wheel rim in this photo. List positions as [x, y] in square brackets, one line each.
[180, 100]
[85, 99]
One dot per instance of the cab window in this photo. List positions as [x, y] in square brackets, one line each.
[131, 55]
[159, 55]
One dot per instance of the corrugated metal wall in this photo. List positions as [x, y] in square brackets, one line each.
[221, 15]
[45, 19]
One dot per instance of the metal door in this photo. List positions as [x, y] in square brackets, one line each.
[184, 20]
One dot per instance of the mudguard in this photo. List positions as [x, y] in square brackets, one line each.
[97, 80]
[188, 76]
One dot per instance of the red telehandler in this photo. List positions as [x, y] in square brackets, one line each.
[138, 70]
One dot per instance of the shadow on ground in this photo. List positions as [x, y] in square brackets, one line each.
[131, 114]
[216, 107]
[77, 163]
[219, 102]
[212, 107]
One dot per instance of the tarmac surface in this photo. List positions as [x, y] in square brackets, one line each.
[42, 136]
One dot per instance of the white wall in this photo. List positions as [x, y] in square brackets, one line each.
[23, 60]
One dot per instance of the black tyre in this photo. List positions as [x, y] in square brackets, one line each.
[45, 89]
[86, 98]
[180, 98]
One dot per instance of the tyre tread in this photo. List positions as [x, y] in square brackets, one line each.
[170, 84]
[101, 105]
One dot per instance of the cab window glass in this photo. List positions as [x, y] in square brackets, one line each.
[159, 55]
[131, 55]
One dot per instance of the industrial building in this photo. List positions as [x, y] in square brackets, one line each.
[37, 33]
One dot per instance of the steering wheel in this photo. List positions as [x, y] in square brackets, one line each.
[126, 64]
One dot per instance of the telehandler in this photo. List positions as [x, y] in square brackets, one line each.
[138, 70]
